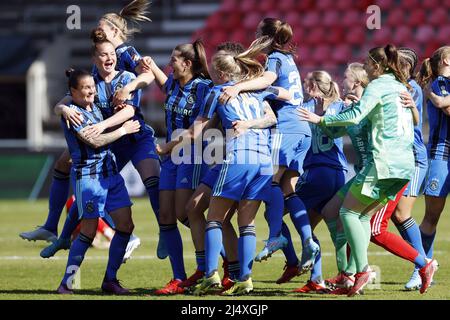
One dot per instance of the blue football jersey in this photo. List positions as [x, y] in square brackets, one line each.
[325, 151]
[439, 139]
[183, 104]
[127, 59]
[420, 151]
[284, 67]
[105, 93]
[246, 106]
[88, 162]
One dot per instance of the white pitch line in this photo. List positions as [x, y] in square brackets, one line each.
[151, 257]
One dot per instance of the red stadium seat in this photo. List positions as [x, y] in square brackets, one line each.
[310, 19]
[330, 17]
[342, 53]
[417, 17]
[217, 37]
[299, 36]
[433, 4]
[438, 17]
[385, 4]
[356, 36]
[335, 35]
[411, 4]
[443, 33]
[364, 4]
[241, 37]
[267, 5]
[353, 18]
[287, 6]
[345, 4]
[231, 21]
[316, 36]
[304, 5]
[424, 34]
[251, 21]
[229, 5]
[325, 5]
[396, 17]
[304, 54]
[382, 36]
[403, 34]
[293, 19]
[321, 54]
[214, 21]
[248, 5]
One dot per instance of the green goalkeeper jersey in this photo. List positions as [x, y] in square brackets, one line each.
[391, 127]
[360, 136]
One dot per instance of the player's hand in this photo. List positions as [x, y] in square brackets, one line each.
[119, 107]
[407, 100]
[93, 131]
[146, 63]
[239, 127]
[120, 96]
[228, 93]
[309, 116]
[131, 126]
[72, 116]
[161, 149]
[446, 111]
[350, 98]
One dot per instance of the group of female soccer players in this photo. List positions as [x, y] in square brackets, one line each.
[283, 147]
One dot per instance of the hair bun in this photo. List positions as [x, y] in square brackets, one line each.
[68, 72]
[98, 35]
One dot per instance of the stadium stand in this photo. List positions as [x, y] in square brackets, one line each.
[328, 33]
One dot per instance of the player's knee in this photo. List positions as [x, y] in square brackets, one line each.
[190, 207]
[63, 164]
[126, 227]
[431, 219]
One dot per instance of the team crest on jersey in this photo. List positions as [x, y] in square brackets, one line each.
[119, 86]
[135, 57]
[434, 184]
[89, 206]
[191, 99]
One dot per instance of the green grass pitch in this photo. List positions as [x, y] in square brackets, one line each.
[24, 275]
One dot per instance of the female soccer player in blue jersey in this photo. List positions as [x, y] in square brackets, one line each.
[186, 89]
[139, 148]
[97, 184]
[116, 29]
[325, 161]
[289, 143]
[436, 70]
[402, 218]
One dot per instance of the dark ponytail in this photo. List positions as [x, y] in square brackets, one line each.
[388, 59]
[195, 53]
[425, 74]
[280, 33]
[200, 64]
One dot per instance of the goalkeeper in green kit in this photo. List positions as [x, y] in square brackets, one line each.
[392, 165]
